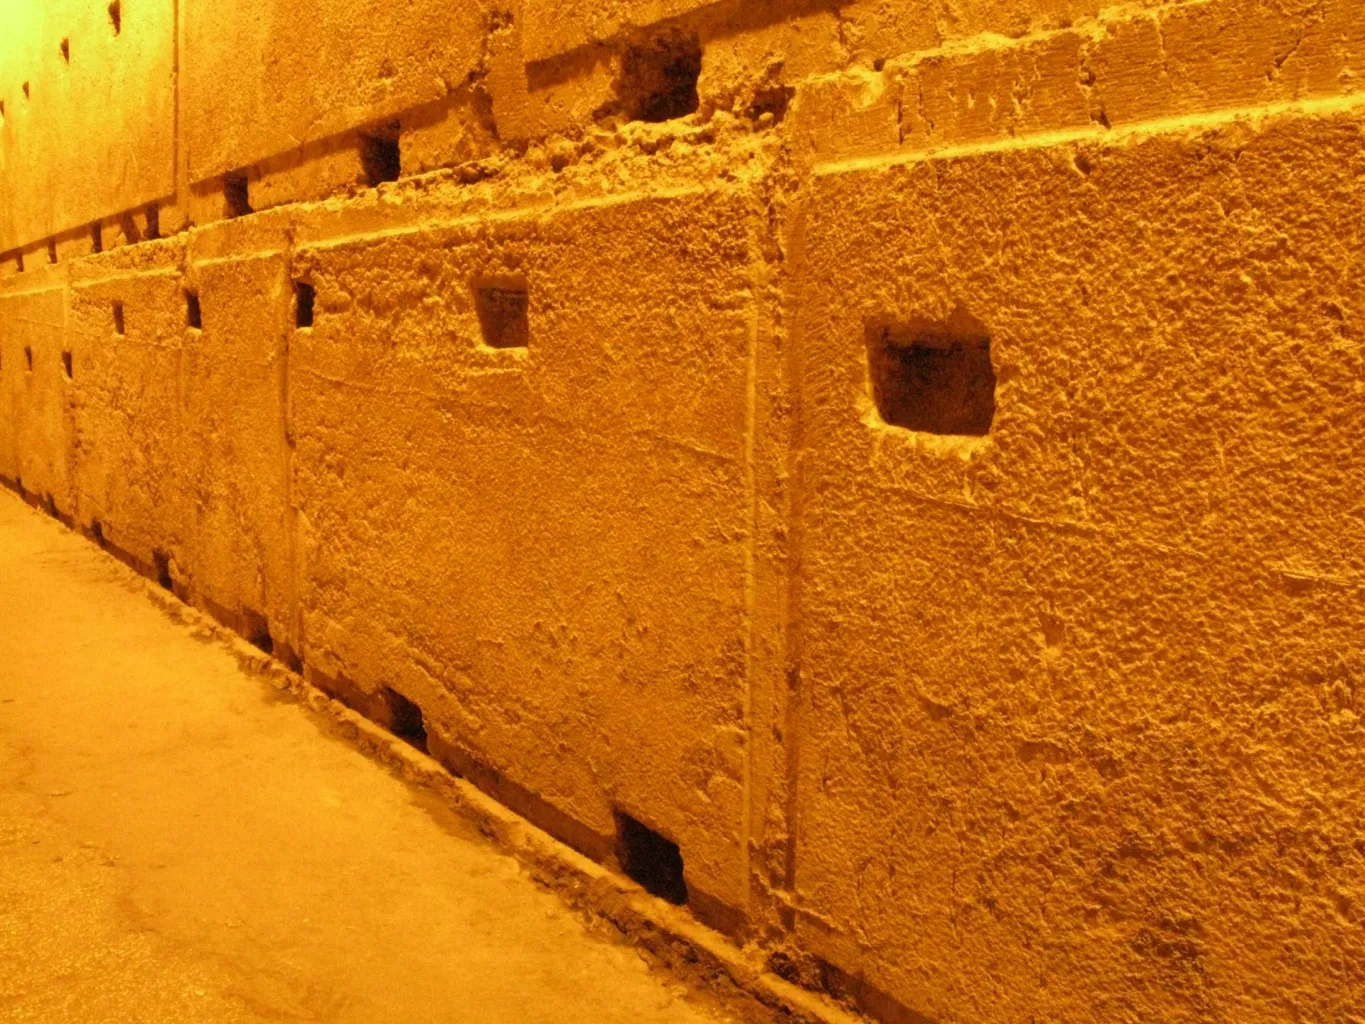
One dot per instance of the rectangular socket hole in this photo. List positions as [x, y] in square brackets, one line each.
[658, 80]
[118, 318]
[380, 157]
[405, 719]
[933, 376]
[236, 196]
[193, 316]
[161, 563]
[66, 364]
[28, 358]
[256, 631]
[304, 297]
[650, 859]
[116, 16]
[52, 250]
[502, 313]
[96, 238]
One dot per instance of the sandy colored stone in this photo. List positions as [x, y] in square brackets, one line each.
[261, 80]
[1083, 721]
[582, 454]
[537, 649]
[95, 134]
[181, 844]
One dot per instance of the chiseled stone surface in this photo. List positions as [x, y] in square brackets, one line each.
[88, 125]
[181, 844]
[1079, 737]
[581, 452]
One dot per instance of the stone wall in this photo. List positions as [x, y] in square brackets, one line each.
[908, 456]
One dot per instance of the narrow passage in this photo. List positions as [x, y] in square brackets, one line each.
[179, 844]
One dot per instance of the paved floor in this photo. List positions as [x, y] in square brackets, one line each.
[176, 845]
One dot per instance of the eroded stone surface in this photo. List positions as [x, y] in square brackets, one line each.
[1034, 720]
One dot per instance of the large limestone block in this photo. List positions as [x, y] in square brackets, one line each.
[1079, 732]
[236, 455]
[36, 450]
[88, 127]
[262, 79]
[129, 329]
[543, 546]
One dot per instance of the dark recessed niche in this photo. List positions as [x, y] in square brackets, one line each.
[118, 318]
[96, 238]
[658, 79]
[236, 196]
[304, 297]
[153, 221]
[380, 156]
[127, 224]
[52, 250]
[26, 91]
[653, 861]
[28, 358]
[66, 365]
[256, 631]
[404, 718]
[66, 50]
[161, 565]
[502, 311]
[933, 376]
[116, 16]
[194, 317]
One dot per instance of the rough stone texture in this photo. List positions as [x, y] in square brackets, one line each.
[1093, 679]
[94, 134]
[263, 79]
[609, 448]
[38, 447]
[184, 842]
[1054, 722]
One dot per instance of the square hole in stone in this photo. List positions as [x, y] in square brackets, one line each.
[161, 565]
[118, 318]
[256, 630]
[653, 861]
[304, 297]
[502, 311]
[933, 376]
[236, 195]
[404, 718]
[193, 316]
[658, 79]
[380, 157]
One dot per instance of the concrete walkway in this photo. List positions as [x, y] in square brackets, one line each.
[177, 844]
